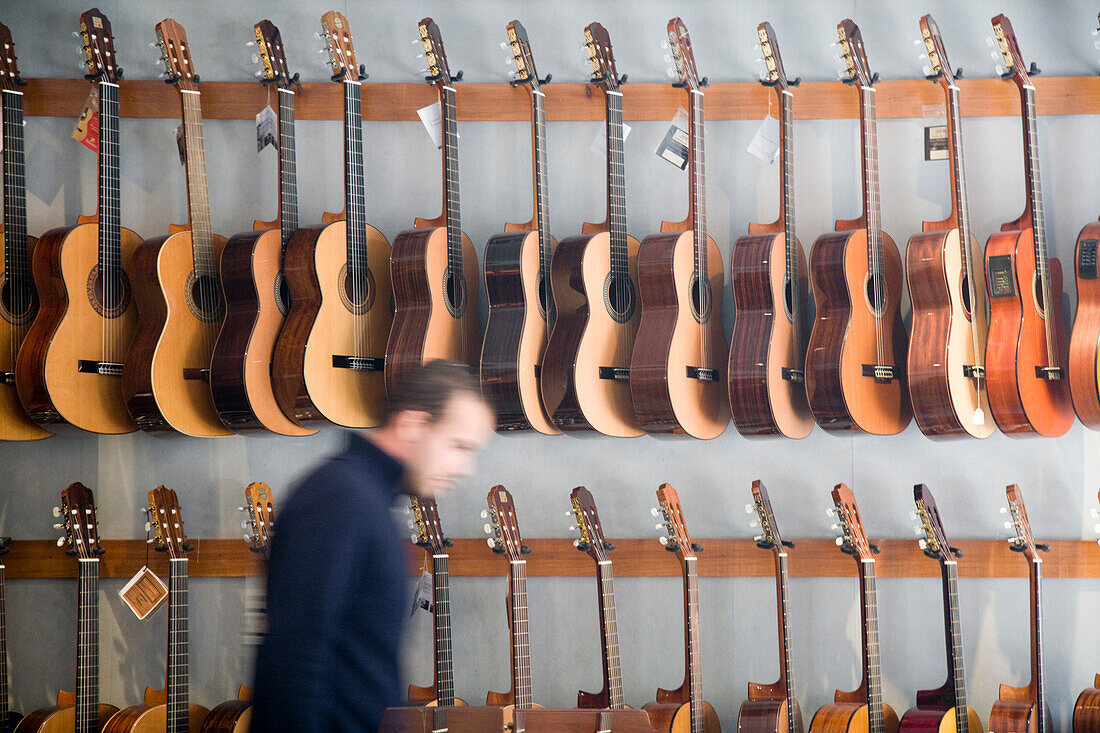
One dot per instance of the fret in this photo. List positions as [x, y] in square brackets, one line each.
[871, 670]
[444, 663]
[87, 666]
[542, 207]
[609, 631]
[955, 671]
[616, 184]
[521, 644]
[1037, 641]
[110, 242]
[288, 171]
[198, 198]
[782, 583]
[16, 254]
[697, 157]
[178, 682]
[354, 188]
[1038, 219]
[3, 652]
[451, 203]
[694, 654]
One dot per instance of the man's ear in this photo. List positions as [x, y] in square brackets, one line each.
[409, 427]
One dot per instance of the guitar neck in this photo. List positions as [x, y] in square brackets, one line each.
[786, 207]
[959, 203]
[786, 676]
[872, 678]
[1037, 641]
[953, 632]
[691, 638]
[609, 635]
[698, 204]
[178, 683]
[444, 662]
[16, 258]
[868, 122]
[110, 223]
[87, 647]
[354, 189]
[542, 207]
[288, 170]
[198, 197]
[616, 184]
[451, 203]
[3, 652]
[521, 640]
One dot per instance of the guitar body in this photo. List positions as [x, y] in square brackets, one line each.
[676, 717]
[61, 719]
[162, 381]
[767, 716]
[851, 717]
[1086, 713]
[669, 342]
[1022, 402]
[257, 297]
[331, 316]
[590, 332]
[232, 716]
[426, 696]
[1084, 343]
[937, 720]
[762, 346]
[70, 327]
[428, 322]
[942, 339]
[1018, 716]
[516, 332]
[151, 719]
[843, 339]
[17, 311]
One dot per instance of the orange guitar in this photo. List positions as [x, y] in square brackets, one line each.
[1027, 353]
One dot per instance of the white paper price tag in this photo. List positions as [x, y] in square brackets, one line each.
[267, 123]
[432, 117]
[424, 598]
[765, 143]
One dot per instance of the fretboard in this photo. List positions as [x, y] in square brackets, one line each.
[354, 189]
[1037, 641]
[609, 635]
[110, 243]
[288, 170]
[87, 646]
[198, 197]
[697, 156]
[691, 636]
[444, 662]
[958, 179]
[953, 632]
[521, 640]
[786, 205]
[616, 184]
[16, 256]
[782, 584]
[542, 206]
[3, 652]
[1038, 218]
[871, 671]
[869, 127]
[178, 681]
[452, 209]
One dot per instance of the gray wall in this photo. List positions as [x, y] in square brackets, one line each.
[1059, 476]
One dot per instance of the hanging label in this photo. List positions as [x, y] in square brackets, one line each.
[765, 143]
[144, 593]
[674, 147]
[87, 127]
[423, 599]
[267, 124]
[599, 144]
[432, 117]
[180, 145]
[935, 131]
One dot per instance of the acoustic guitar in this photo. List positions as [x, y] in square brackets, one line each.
[79, 711]
[166, 377]
[504, 539]
[1024, 709]
[257, 296]
[946, 363]
[586, 367]
[18, 297]
[8, 717]
[428, 533]
[683, 710]
[1027, 354]
[434, 266]
[855, 363]
[168, 710]
[1086, 712]
[767, 385]
[861, 709]
[70, 367]
[329, 358]
[944, 709]
[517, 280]
[677, 369]
[773, 708]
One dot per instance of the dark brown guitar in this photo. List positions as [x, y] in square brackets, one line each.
[8, 717]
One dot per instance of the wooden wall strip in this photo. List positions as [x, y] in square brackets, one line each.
[570, 102]
[558, 558]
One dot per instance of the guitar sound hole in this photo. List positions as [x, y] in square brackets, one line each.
[546, 303]
[204, 297]
[19, 300]
[876, 292]
[700, 299]
[454, 289]
[357, 289]
[966, 294]
[619, 297]
[282, 293]
[788, 297]
[1040, 302]
[109, 293]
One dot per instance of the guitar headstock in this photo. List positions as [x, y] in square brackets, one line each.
[672, 521]
[522, 57]
[503, 525]
[592, 541]
[269, 45]
[175, 53]
[98, 46]
[855, 55]
[1005, 41]
[9, 66]
[341, 50]
[166, 520]
[934, 544]
[774, 74]
[77, 515]
[598, 43]
[426, 524]
[852, 539]
[679, 44]
[1021, 541]
[939, 68]
[439, 72]
[769, 537]
[259, 504]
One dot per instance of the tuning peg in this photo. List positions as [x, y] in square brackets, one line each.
[148, 526]
[918, 531]
[577, 544]
[839, 541]
[247, 537]
[913, 516]
[655, 512]
[672, 74]
[1009, 525]
[505, 45]
[244, 524]
[834, 527]
[830, 512]
[572, 527]
[413, 538]
[418, 41]
[922, 57]
[758, 537]
[569, 513]
[668, 58]
[927, 70]
[485, 513]
[60, 541]
[411, 524]
[492, 544]
[663, 46]
[922, 544]
[995, 55]
[754, 524]
[1004, 510]
[154, 45]
[918, 42]
[488, 528]
[658, 526]
[59, 526]
[151, 540]
[1001, 71]
[750, 509]
[255, 58]
[663, 540]
[990, 42]
[834, 43]
[57, 511]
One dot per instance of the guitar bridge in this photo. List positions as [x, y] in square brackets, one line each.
[792, 375]
[202, 375]
[974, 371]
[358, 363]
[7, 377]
[881, 372]
[619, 374]
[703, 374]
[1050, 373]
[104, 368]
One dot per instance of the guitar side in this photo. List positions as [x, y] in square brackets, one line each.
[1084, 344]
[850, 717]
[15, 423]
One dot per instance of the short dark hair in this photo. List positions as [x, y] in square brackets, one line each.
[429, 388]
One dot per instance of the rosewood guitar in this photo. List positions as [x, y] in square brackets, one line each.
[168, 710]
[79, 711]
[257, 296]
[773, 708]
[767, 385]
[8, 717]
[18, 297]
[861, 710]
[946, 363]
[166, 377]
[944, 709]
[683, 710]
[517, 280]
[434, 266]
[69, 370]
[1024, 709]
[330, 354]
[855, 363]
[586, 366]
[1027, 354]
[1086, 712]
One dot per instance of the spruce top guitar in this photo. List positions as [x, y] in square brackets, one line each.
[166, 377]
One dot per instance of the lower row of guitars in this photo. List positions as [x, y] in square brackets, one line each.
[771, 708]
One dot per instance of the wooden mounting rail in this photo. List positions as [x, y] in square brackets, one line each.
[557, 557]
[240, 100]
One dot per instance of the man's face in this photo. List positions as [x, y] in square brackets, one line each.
[447, 448]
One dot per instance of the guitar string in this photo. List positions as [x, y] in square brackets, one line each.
[1039, 221]
[352, 204]
[202, 248]
[786, 99]
[542, 213]
[697, 153]
[453, 218]
[20, 286]
[617, 235]
[874, 231]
